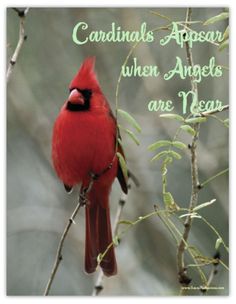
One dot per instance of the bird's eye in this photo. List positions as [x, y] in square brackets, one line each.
[86, 93]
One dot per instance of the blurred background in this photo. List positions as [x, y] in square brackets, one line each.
[38, 207]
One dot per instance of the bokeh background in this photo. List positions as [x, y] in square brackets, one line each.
[37, 205]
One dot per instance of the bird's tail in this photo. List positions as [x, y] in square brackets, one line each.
[99, 235]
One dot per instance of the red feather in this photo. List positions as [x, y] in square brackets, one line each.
[86, 78]
[84, 142]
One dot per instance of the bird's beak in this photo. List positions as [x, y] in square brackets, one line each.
[76, 97]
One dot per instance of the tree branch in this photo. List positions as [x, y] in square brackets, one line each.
[22, 37]
[58, 259]
[184, 280]
[213, 272]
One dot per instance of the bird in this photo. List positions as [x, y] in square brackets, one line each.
[85, 146]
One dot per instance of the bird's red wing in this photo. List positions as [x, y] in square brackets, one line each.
[121, 178]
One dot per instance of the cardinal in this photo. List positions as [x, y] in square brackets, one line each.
[84, 146]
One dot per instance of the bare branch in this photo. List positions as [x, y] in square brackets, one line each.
[22, 37]
[58, 259]
[98, 287]
[184, 280]
[213, 272]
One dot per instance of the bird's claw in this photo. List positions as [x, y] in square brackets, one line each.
[83, 197]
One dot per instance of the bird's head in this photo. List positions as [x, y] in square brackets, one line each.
[83, 86]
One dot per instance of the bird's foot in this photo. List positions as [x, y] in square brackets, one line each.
[83, 197]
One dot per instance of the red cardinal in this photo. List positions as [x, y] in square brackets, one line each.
[84, 143]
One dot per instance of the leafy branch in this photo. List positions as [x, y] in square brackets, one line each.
[165, 216]
[122, 112]
[191, 125]
[184, 279]
[222, 16]
[173, 208]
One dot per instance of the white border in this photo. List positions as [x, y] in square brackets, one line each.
[120, 3]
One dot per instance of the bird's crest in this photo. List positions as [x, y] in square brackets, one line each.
[86, 77]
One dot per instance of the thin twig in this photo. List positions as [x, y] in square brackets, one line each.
[213, 177]
[184, 280]
[208, 113]
[164, 220]
[216, 232]
[191, 30]
[98, 287]
[210, 279]
[213, 273]
[58, 258]
[22, 37]
[201, 273]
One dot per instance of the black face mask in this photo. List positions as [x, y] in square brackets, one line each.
[78, 107]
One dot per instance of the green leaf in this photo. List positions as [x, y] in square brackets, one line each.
[172, 116]
[226, 122]
[116, 240]
[188, 129]
[188, 214]
[169, 201]
[132, 136]
[219, 241]
[224, 44]
[168, 160]
[130, 119]
[158, 144]
[204, 205]
[164, 169]
[166, 153]
[179, 145]
[196, 216]
[175, 154]
[226, 33]
[125, 222]
[196, 120]
[217, 18]
[159, 155]
[123, 165]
